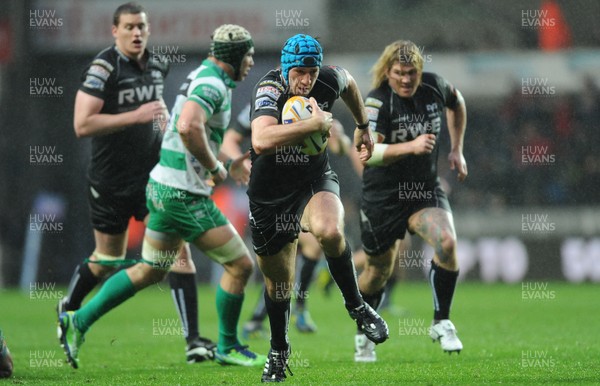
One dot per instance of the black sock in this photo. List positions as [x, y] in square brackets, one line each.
[387, 290]
[185, 296]
[260, 311]
[443, 283]
[306, 274]
[279, 319]
[343, 272]
[82, 283]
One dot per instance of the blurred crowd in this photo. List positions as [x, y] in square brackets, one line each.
[531, 150]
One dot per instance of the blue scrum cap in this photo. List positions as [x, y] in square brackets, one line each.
[300, 51]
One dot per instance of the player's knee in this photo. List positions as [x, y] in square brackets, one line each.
[241, 269]
[245, 267]
[144, 274]
[154, 275]
[103, 265]
[328, 232]
[383, 273]
[235, 257]
[100, 271]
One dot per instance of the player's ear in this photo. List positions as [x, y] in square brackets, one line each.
[114, 31]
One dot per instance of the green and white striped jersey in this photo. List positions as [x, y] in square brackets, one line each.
[210, 87]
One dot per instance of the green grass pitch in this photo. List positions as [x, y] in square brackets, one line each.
[548, 334]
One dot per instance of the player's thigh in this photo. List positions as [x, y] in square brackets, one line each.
[184, 262]
[323, 212]
[110, 211]
[110, 248]
[160, 250]
[381, 228]
[195, 218]
[360, 258]
[434, 225]
[385, 260]
[111, 244]
[274, 226]
[378, 269]
[224, 245]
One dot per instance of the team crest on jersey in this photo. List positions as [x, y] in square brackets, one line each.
[432, 107]
[156, 74]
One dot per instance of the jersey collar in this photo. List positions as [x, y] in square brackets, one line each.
[127, 58]
[398, 95]
[226, 79]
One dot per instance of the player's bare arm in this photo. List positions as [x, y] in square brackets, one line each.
[162, 117]
[423, 144]
[267, 134]
[193, 134]
[88, 121]
[240, 162]
[239, 169]
[339, 143]
[232, 142]
[362, 136]
[457, 125]
[231, 149]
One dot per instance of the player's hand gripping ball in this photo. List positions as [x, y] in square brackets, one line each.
[298, 108]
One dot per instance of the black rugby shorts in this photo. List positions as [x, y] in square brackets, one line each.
[273, 226]
[382, 225]
[111, 209]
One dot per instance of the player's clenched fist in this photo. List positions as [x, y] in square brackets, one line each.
[324, 118]
[423, 144]
[151, 111]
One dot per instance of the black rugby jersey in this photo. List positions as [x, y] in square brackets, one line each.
[402, 120]
[124, 159]
[276, 177]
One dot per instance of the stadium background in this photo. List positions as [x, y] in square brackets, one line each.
[529, 71]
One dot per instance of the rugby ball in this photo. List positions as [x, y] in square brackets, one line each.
[298, 108]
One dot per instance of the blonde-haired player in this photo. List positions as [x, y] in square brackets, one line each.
[401, 189]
